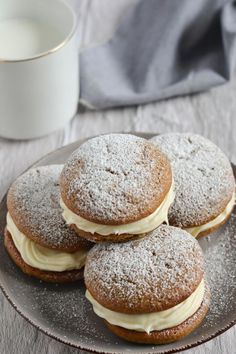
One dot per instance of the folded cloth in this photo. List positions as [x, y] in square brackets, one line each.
[161, 48]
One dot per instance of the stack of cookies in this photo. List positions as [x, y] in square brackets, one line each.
[144, 277]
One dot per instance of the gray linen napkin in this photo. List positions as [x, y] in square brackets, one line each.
[161, 48]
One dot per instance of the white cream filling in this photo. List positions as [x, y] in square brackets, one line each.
[142, 226]
[155, 321]
[195, 231]
[41, 257]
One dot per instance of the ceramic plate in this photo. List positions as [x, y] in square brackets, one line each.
[62, 312]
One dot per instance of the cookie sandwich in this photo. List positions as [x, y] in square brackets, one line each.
[150, 290]
[204, 182]
[116, 187]
[36, 236]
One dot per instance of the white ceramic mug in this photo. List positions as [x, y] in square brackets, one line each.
[39, 67]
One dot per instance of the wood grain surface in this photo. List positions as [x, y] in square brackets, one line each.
[212, 114]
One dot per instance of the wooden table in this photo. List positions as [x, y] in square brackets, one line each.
[212, 114]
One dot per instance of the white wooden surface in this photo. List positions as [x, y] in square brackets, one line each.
[212, 114]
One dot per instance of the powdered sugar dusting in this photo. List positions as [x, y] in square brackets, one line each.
[33, 202]
[145, 275]
[220, 261]
[115, 178]
[203, 178]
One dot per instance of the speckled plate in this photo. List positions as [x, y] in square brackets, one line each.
[62, 312]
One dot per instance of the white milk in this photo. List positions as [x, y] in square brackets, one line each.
[24, 38]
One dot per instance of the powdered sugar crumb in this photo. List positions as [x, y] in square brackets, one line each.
[220, 260]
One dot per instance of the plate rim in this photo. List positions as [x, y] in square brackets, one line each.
[67, 342]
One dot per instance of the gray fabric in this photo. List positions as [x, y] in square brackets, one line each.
[162, 48]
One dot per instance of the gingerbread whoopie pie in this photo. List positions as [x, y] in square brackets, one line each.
[36, 236]
[116, 187]
[204, 182]
[150, 290]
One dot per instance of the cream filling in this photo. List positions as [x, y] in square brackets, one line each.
[195, 231]
[142, 226]
[155, 321]
[41, 257]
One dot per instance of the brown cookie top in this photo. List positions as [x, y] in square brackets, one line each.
[33, 203]
[204, 180]
[147, 275]
[115, 179]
